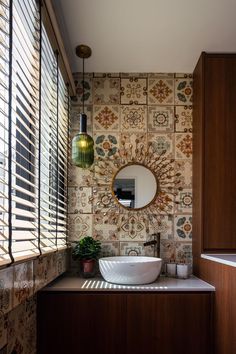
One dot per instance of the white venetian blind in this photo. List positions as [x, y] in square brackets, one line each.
[4, 129]
[34, 114]
[25, 125]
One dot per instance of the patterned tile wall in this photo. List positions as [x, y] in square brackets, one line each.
[18, 286]
[152, 107]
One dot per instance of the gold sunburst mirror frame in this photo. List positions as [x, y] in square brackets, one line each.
[168, 181]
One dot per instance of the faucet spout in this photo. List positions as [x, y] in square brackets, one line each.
[155, 242]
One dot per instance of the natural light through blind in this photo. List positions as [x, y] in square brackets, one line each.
[34, 108]
[4, 129]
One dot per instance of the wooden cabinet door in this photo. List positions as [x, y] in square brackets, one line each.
[169, 323]
[79, 323]
[220, 153]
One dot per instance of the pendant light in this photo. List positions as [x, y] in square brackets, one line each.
[82, 143]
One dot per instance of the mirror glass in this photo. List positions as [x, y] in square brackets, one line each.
[134, 186]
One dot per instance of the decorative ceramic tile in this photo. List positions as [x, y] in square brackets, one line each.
[183, 91]
[6, 290]
[80, 201]
[87, 89]
[110, 249]
[131, 141]
[184, 252]
[183, 227]
[183, 119]
[164, 203]
[185, 168]
[161, 91]
[3, 331]
[161, 75]
[133, 91]
[30, 327]
[134, 118]
[161, 143]
[132, 227]
[80, 226]
[75, 118]
[40, 272]
[184, 200]
[16, 328]
[183, 75]
[132, 75]
[169, 249]
[162, 224]
[106, 91]
[23, 282]
[106, 118]
[132, 249]
[22, 328]
[160, 119]
[80, 176]
[106, 75]
[61, 262]
[104, 200]
[105, 227]
[183, 146]
[51, 266]
[106, 145]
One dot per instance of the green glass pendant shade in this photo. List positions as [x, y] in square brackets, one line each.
[82, 146]
[82, 150]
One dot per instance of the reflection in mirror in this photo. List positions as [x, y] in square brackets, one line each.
[135, 186]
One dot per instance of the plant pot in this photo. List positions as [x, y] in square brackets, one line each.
[87, 267]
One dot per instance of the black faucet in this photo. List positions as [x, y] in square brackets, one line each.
[156, 243]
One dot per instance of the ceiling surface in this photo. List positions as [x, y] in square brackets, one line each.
[148, 35]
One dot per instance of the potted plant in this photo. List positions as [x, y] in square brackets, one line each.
[87, 251]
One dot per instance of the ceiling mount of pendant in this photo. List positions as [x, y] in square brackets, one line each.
[83, 51]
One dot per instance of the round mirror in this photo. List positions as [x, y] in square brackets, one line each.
[134, 186]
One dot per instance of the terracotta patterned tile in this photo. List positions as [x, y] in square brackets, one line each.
[185, 168]
[183, 146]
[160, 119]
[132, 75]
[3, 332]
[134, 118]
[184, 252]
[130, 141]
[105, 227]
[80, 201]
[169, 249]
[161, 75]
[184, 200]
[183, 91]
[183, 227]
[80, 177]
[51, 266]
[61, 262]
[164, 203]
[133, 90]
[162, 142]
[23, 282]
[183, 75]
[106, 118]
[110, 249]
[160, 91]
[80, 226]
[6, 290]
[132, 249]
[88, 85]
[40, 273]
[163, 224]
[106, 145]
[104, 200]
[106, 91]
[132, 228]
[75, 118]
[106, 75]
[183, 119]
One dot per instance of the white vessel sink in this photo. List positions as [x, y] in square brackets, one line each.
[130, 269]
